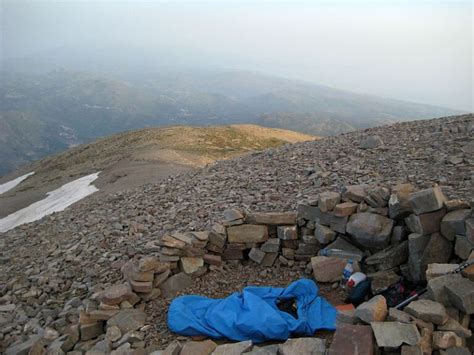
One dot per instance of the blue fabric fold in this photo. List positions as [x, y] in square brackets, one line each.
[253, 314]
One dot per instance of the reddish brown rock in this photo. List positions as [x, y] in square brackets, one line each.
[352, 340]
[327, 269]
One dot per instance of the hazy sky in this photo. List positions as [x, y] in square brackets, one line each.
[415, 50]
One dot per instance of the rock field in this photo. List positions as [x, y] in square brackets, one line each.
[61, 278]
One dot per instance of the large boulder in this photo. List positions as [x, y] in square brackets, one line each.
[395, 334]
[370, 230]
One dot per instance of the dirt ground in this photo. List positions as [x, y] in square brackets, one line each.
[220, 283]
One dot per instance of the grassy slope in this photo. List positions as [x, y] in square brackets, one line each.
[185, 145]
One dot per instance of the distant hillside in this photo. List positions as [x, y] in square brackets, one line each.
[135, 158]
[42, 114]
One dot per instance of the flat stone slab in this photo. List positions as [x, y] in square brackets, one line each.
[395, 334]
[303, 346]
[233, 348]
[427, 310]
[127, 320]
[352, 340]
[271, 218]
[205, 347]
[247, 233]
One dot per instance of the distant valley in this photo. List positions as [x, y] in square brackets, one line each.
[43, 114]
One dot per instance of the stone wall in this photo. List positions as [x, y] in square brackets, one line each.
[387, 232]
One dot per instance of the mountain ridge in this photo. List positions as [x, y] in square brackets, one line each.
[43, 114]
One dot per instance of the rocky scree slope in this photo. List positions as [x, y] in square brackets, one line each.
[135, 158]
[49, 265]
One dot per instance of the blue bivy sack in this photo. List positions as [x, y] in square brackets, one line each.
[253, 314]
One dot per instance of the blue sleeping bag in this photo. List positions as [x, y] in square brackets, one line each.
[253, 314]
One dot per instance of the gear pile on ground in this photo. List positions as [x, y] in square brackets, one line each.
[60, 279]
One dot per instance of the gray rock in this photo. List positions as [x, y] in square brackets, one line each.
[416, 246]
[437, 250]
[271, 349]
[303, 346]
[342, 248]
[383, 279]
[460, 293]
[370, 230]
[91, 331]
[436, 270]
[454, 223]
[173, 348]
[395, 334]
[233, 348]
[231, 215]
[371, 142]
[127, 320]
[427, 310]
[272, 245]
[256, 255]
[205, 347]
[328, 200]
[436, 287]
[470, 229]
[456, 327]
[463, 247]
[24, 347]
[323, 234]
[426, 223]
[175, 284]
[428, 200]
[390, 257]
[356, 193]
[287, 232]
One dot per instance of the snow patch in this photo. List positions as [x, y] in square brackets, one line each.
[12, 183]
[56, 201]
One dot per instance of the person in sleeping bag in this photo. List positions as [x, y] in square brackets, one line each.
[257, 313]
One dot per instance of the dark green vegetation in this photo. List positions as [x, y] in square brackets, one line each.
[42, 114]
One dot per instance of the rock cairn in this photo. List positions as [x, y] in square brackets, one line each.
[387, 232]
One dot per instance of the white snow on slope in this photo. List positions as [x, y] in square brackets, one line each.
[12, 183]
[56, 201]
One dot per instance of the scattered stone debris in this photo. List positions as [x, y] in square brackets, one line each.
[90, 273]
